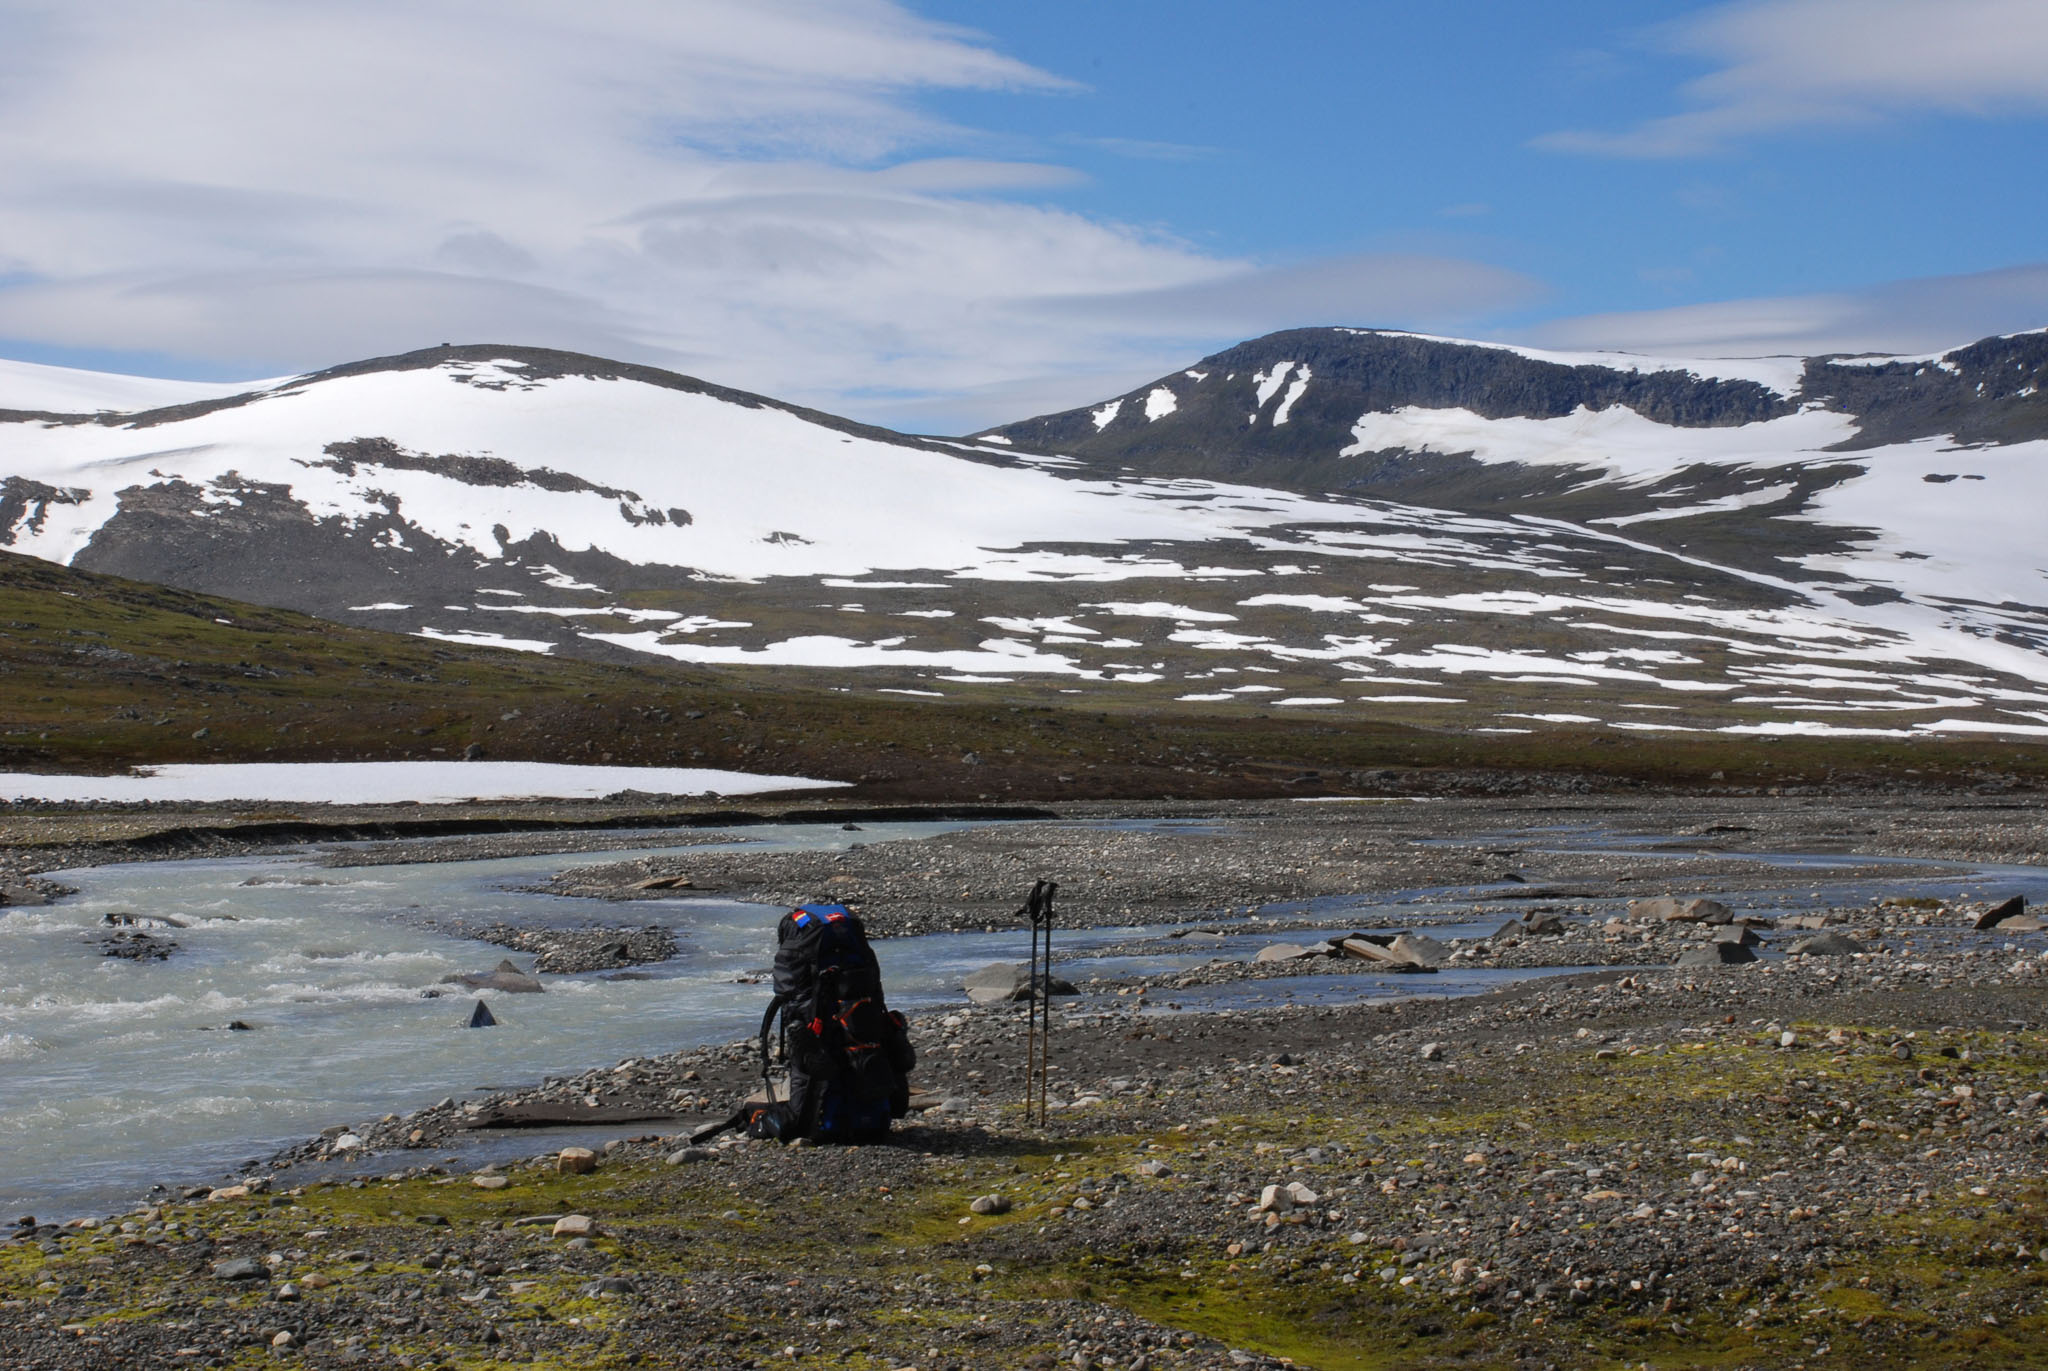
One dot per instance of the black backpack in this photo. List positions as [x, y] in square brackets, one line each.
[849, 1054]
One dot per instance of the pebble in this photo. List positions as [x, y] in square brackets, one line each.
[241, 1269]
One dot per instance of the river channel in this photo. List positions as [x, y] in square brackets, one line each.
[116, 1075]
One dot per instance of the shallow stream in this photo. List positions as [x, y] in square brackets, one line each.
[116, 1075]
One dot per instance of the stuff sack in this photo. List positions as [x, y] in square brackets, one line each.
[849, 1054]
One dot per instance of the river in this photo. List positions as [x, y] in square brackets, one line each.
[116, 1075]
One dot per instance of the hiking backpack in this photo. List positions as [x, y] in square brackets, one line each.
[849, 1054]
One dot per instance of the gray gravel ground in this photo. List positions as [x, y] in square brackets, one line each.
[1227, 858]
[1826, 1161]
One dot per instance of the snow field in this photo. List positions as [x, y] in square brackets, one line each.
[390, 782]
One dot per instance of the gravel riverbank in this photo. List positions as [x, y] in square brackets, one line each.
[1122, 864]
[1825, 1161]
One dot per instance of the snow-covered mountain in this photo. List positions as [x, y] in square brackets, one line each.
[1899, 475]
[1368, 525]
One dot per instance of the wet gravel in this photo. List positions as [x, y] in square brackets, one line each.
[568, 951]
[1203, 861]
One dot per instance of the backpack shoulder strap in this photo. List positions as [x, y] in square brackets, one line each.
[767, 1022]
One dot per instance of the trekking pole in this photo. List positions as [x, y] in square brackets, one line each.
[1038, 909]
[1042, 989]
[1030, 911]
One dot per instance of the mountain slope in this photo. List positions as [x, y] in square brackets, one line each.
[100, 673]
[1867, 478]
[1298, 395]
[1558, 557]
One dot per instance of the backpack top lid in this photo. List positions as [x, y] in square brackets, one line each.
[804, 915]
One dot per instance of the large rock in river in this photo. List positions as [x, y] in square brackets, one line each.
[1825, 945]
[1003, 981]
[1291, 952]
[1421, 949]
[1672, 910]
[1716, 954]
[2005, 909]
[507, 979]
[1389, 952]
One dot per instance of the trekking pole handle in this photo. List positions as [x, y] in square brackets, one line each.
[1039, 906]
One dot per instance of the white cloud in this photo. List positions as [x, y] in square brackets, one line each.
[325, 315]
[1358, 288]
[1929, 314]
[748, 189]
[1782, 64]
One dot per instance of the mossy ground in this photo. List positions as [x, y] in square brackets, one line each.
[745, 1259]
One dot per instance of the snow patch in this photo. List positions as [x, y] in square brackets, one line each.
[391, 782]
[821, 650]
[1616, 440]
[1781, 374]
[1294, 391]
[486, 640]
[1154, 609]
[1266, 384]
[43, 389]
[1747, 499]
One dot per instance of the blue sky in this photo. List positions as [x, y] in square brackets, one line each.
[1314, 128]
[942, 214]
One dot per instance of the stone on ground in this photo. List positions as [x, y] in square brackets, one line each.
[240, 1269]
[1003, 981]
[506, 979]
[1716, 954]
[2000, 912]
[1825, 945]
[1671, 909]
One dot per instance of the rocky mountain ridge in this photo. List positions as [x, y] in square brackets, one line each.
[1296, 395]
[1378, 526]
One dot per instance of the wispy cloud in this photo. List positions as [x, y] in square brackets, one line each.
[1360, 288]
[753, 189]
[1787, 64]
[1922, 315]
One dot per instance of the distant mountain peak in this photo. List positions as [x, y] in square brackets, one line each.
[1381, 526]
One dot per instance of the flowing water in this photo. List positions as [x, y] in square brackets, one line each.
[115, 1075]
